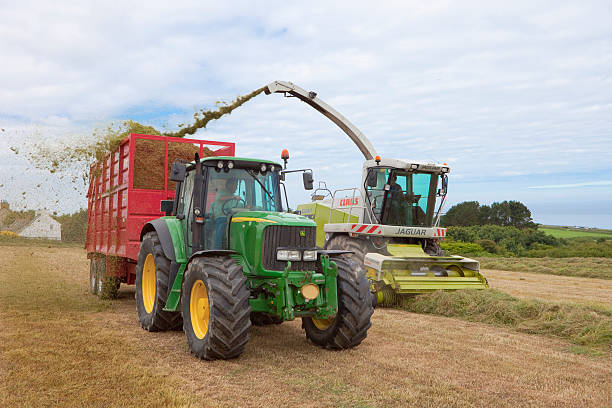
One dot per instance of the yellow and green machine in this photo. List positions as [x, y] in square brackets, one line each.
[226, 256]
[390, 223]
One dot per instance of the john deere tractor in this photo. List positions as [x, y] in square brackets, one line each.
[226, 256]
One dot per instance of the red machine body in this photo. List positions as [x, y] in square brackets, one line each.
[117, 208]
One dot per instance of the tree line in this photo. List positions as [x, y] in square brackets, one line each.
[505, 213]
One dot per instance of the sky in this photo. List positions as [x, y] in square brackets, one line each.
[515, 96]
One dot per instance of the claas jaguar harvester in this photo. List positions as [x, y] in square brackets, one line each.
[390, 222]
[226, 255]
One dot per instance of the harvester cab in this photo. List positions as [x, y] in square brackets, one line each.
[228, 256]
[391, 222]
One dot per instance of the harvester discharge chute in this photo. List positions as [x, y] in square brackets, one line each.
[390, 223]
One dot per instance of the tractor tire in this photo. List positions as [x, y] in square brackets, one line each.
[350, 325]
[264, 319]
[215, 308]
[93, 276]
[360, 248]
[152, 276]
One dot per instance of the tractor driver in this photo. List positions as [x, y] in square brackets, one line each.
[224, 201]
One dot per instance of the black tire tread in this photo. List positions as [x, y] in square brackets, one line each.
[230, 310]
[161, 320]
[352, 321]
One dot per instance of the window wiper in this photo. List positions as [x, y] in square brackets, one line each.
[261, 184]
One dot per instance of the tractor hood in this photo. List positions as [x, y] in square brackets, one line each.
[272, 217]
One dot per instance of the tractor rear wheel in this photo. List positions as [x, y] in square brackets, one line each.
[350, 325]
[152, 276]
[215, 308]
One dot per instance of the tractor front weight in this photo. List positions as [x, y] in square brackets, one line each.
[293, 294]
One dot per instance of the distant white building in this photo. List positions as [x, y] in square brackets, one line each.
[42, 226]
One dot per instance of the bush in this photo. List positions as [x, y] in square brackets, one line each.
[500, 240]
[463, 248]
[489, 246]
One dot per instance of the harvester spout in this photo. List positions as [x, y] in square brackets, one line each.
[290, 89]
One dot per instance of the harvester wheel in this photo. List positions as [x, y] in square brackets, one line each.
[350, 325]
[215, 308]
[93, 276]
[359, 246]
[264, 319]
[152, 276]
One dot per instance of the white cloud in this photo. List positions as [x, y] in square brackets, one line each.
[576, 185]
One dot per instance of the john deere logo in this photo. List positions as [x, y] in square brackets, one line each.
[302, 233]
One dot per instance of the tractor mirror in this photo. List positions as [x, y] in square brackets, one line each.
[308, 180]
[371, 179]
[444, 183]
[177, 173]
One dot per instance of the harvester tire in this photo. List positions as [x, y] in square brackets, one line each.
[360, 247]
[264, 319]
[351, 323]
[153, 271]
[215, 308]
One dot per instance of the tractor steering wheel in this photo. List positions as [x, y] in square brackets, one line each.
[228, 211]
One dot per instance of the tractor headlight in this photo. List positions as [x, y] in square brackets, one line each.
[310, 255]
[263, 167]
[230, 164]
[288, 255]
[219, 164]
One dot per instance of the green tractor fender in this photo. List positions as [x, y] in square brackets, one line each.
[160, 226]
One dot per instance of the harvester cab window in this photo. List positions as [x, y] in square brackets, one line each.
[402, 197]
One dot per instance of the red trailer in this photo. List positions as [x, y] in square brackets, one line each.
[125, 191]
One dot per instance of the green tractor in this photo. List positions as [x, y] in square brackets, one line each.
[227, 256]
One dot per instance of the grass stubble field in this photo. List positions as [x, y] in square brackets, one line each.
[60, 346]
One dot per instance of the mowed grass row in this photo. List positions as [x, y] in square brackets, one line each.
[600, 268]
[588, 327]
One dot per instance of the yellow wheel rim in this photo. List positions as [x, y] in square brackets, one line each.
[198, 309]
[148, 283]
[323, 324]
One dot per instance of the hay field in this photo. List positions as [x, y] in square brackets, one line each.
[60, 346]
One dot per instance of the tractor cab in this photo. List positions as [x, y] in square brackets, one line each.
[403, 193]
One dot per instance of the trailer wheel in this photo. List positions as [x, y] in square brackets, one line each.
[350, 325]
[93, 276]
[264, 319]
[152, 276]
[215, 308]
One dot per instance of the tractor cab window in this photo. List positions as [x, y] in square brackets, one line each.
[229, 193]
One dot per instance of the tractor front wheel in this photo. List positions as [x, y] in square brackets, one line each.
[215, 308]
[152, 276]
[350, 325]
